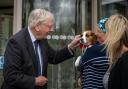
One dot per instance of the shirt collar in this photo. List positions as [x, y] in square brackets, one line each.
[31, 35]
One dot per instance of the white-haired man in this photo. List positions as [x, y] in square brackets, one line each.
[28, 53]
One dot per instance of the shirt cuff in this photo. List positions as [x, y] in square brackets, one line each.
[71, 51]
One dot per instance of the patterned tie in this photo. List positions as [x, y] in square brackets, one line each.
[38, 69]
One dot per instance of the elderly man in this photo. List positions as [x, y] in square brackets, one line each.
[28, 53]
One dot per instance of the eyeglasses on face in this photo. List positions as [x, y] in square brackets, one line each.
[49, 26]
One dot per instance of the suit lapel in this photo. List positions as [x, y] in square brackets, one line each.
[30, 49]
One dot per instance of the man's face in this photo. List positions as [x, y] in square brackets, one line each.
[44, 29]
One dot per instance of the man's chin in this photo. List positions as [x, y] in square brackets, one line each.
[41, 38]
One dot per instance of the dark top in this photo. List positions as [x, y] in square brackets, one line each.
[93, 67]
[118, 78]
[20, 61]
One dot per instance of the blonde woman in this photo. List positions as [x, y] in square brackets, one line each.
[117, 50]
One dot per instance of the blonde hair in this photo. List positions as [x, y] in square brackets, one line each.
[38, 16]
[117, 26]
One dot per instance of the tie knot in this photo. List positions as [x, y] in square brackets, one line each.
[36, 42]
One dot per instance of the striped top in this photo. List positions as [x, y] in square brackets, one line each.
[93, 66]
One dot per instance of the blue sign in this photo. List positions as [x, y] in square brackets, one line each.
[1, 62]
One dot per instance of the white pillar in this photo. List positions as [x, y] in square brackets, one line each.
[83, 14]
[94, 14]
[17, 19]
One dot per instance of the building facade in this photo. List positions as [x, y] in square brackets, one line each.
[71, 18]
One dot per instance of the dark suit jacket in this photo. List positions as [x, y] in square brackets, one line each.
[19, 66]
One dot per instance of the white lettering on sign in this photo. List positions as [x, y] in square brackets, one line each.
[60, 37]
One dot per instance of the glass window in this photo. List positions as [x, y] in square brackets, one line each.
[6, 26]
[110, 7]
[5, 32]
[85, 14]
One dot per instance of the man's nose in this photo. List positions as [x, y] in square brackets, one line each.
[52, 29]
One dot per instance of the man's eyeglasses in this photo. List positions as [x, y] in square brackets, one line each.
[49, 26]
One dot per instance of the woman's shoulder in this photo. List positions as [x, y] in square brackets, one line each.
[122, 62]
[124, 57]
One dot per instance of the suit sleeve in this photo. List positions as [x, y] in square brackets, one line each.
[57, 56]
[13, 74]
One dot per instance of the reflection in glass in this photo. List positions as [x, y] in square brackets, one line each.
[86, 14]
[5, 32]
[110, 7]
